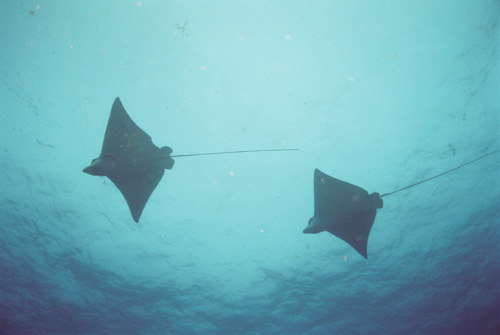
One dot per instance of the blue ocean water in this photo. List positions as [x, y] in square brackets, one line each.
[381, 94]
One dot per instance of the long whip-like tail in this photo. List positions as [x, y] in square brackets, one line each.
[232, 152]
[441, 174]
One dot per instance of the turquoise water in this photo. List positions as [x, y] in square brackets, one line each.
[381, 94]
